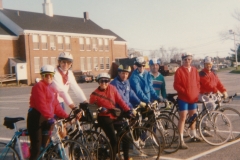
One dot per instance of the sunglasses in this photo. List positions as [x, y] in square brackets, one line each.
[68, 62]
[47, 74]
[140, 66]
[104, 81]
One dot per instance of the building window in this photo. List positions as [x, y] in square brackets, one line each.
[100, 44]
[94, 44]
[82, 64]
[107, 62]
[67, 43]
[44, 61]
[81, 43]
[53, 61]
[101, 61]
[44, 42]
[52, 43]
[60, 42]
[35, 42]
[106, 45]
[89, 63]
[88, 44]
[36, 64]
[95, 63]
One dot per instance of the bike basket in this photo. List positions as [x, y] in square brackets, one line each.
[90, 112]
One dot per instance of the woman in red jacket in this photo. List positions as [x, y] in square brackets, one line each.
[187, 85]
[43, 106]
[106, 96]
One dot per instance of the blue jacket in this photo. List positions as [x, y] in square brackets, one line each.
[142, 86]
[127, 94]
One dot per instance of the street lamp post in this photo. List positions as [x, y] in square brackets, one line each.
[235, 47]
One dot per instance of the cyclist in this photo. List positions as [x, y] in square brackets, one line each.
[106, 97]
[187, 85]
[43, 105]
[209, 83]
[141, 82]
[124, 89]
[157, 79]
[64, 79]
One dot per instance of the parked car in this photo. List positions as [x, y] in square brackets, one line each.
[83, 76]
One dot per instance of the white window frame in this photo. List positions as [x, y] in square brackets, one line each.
[95, 63]
[35, 39]
[36, 64]
[107, 63]
[89, 63]
[101, 63]
[44, 42]
[82, 64]
[81, 43]
[67, 41]
[45, 61]
[60, 42]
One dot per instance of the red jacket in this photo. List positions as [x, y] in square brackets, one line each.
[111, 93]
[187, 84]
[44, 99]
[209, 82]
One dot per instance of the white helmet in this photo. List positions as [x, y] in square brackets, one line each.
[65, 56]
[185, 55]
[140, 61]
[47, 69]
[154, 61]
[208, 60]
[103, 75]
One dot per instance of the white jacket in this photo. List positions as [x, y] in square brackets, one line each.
[63, 88]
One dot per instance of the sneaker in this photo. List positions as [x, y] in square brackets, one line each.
[206, 133]
[196, 139]
[183, 145]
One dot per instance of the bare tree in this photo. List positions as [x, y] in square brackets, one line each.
[133, 53]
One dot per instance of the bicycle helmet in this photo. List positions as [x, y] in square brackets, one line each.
[185, 55]
[140, 61]
[124, 68]
[65, 56]
[154, 61]
[103, 75]
[47, 69]
[208, 60]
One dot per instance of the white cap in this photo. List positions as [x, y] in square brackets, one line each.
[185, 55]
[65, 56]
[103, 75]
[208, 60]
[47, 69]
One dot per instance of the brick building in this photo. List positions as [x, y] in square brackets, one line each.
[38, 38]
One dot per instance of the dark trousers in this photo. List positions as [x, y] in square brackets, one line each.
[36, 125]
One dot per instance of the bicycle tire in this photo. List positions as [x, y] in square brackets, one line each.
[234, 117]
[218, 125]
[97, 144]
[170, 133]
[8, 153]
[139, 144]
[73, 149]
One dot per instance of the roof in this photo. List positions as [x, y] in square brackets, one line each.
[57, 23]
[5, 31]
[16, 60]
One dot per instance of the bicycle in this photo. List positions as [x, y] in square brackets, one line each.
[57, 148]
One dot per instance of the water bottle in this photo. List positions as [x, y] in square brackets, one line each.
[25, 150]
[191, 119]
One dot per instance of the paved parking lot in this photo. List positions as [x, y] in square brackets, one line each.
[14, 102]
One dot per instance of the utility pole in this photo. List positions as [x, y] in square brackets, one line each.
[235, 47]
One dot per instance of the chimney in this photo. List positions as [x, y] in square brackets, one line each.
[86, 16]
[1, 6]
[48, 8]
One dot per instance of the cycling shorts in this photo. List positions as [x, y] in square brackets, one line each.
[184, 106]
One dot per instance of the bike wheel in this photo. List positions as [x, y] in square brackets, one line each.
[8, 153]
[234, 117]
[170, 133]
[218, 125]
[139, 143]
[75, 150]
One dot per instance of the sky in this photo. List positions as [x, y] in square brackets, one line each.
[190, 25]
